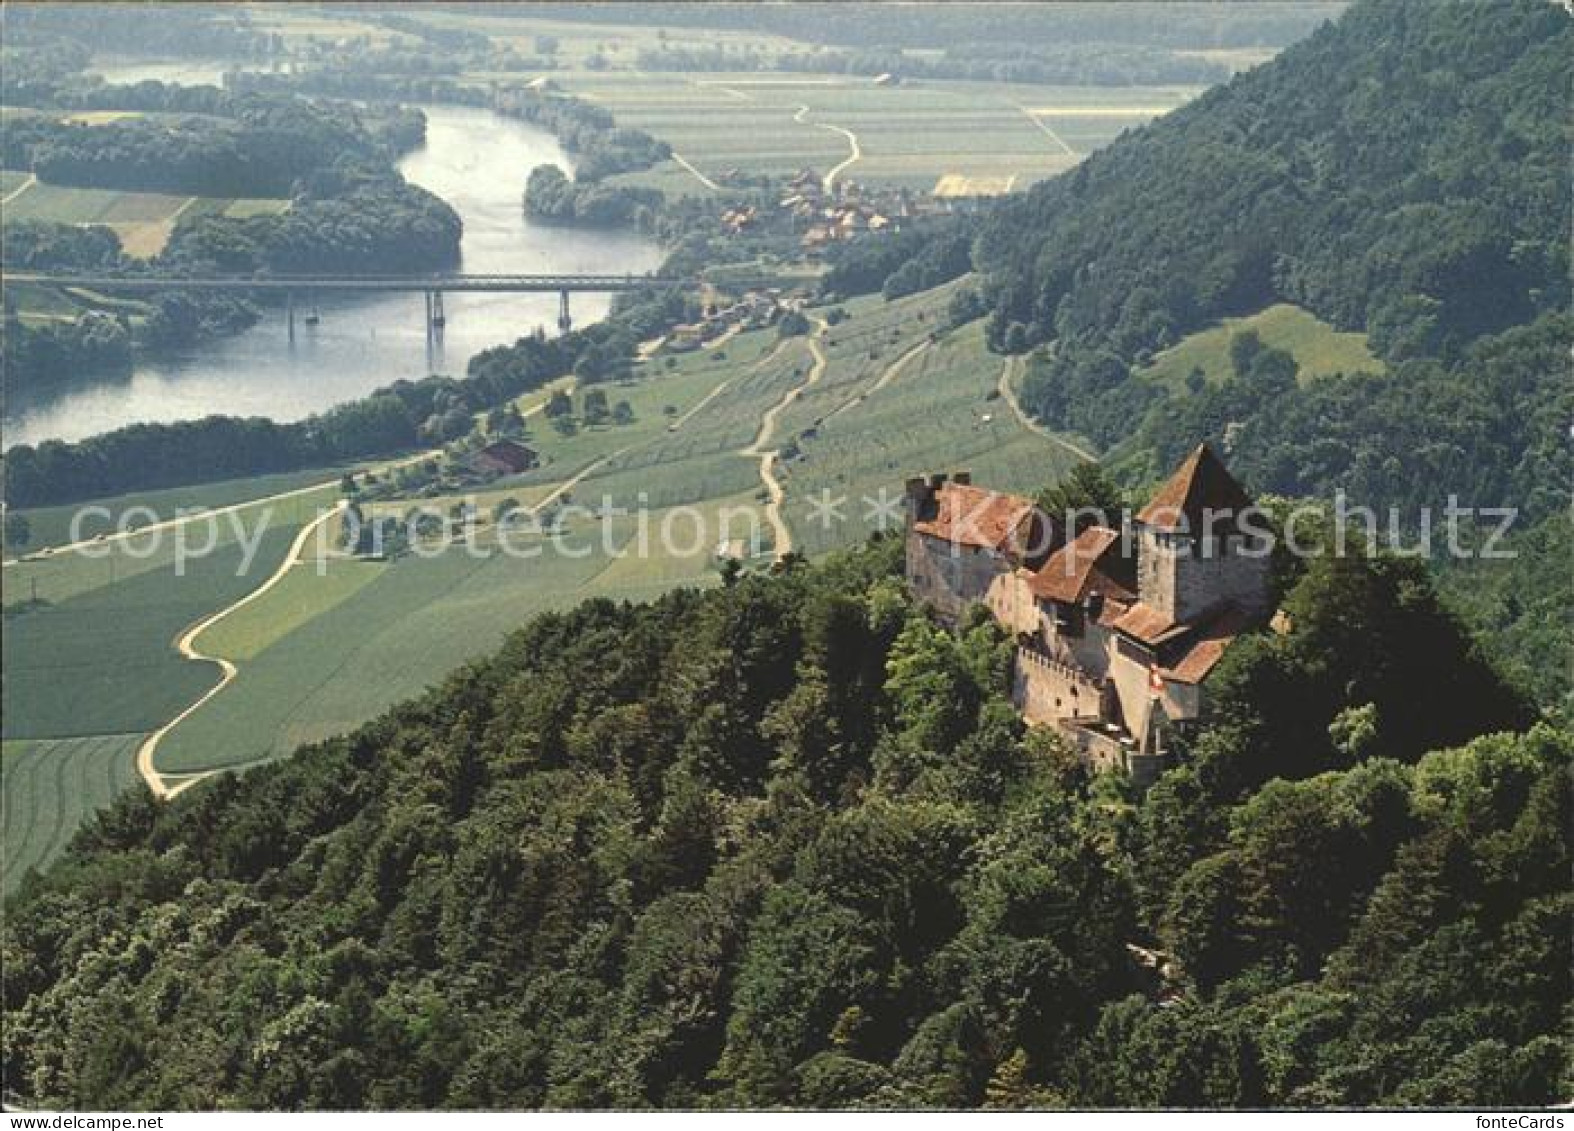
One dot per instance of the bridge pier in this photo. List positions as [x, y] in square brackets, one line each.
[289, 314]
[564, 322]
[435, 318]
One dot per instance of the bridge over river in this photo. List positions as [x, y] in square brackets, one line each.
[432, 286]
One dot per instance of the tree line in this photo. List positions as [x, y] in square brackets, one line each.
[235, 146]
[1064, 63]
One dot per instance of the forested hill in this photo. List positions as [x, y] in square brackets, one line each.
[786, 842]
[1403, 170]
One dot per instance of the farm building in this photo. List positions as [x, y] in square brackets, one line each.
[1117, 631]
[502, 457]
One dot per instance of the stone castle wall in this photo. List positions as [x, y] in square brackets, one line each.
[949, 576]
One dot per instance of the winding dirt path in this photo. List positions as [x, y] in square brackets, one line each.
[722, 388]
[1044, 128]
[781, 536]
[601, 461]
[1008, 393]
[829, 180]
[159, 783]
[852, 141]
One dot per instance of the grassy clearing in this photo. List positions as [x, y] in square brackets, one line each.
[50, 788]
[101, 117]
[1317, 347]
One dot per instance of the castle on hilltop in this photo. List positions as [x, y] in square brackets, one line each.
[1117, 631]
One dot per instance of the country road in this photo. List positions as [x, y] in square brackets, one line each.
[1008, 393]
[852, 141]
[157, 782]
[829, 180]
[891, 373]
[781, 536]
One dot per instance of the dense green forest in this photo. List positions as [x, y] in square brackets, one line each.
[786, 842]
[1401, 171]
[156, 30]
[554, 198]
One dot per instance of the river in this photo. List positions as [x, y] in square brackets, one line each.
[474, 159]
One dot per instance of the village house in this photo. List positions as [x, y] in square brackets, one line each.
[1117, 632]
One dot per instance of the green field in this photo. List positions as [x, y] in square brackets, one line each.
[1317, 347]
[328, 650]
[910, 135]
[96, 656]
[50, 788]
[142, 220]
[52, 526]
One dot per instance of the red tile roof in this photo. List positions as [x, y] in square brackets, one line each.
[1198, 496]
[1148, 625]
[973, 516]
[1205, 649]
[1080, 568]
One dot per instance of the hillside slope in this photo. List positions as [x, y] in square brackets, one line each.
[786, 842]
[1402, 170]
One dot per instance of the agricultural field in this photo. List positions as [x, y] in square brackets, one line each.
[341, 640]
[1317, 347]
[142, 220]
[52, 526]
[92, 654]
[917, 407]
[919, 135]
[49, 788]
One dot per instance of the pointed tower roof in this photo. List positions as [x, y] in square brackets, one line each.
[1201, 494]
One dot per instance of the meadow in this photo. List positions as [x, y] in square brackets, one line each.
[94, 655]
[1318, 348]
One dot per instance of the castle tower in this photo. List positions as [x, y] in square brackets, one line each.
[1197, 546]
